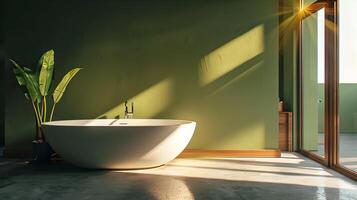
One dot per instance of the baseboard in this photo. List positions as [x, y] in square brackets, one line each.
[1, 151]
[17, 153]
[259, 153]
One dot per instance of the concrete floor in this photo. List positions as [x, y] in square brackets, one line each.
[348, 149]
[290, 177]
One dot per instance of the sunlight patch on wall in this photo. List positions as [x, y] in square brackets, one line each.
[147, 103]
[231, 55]
[235, 79]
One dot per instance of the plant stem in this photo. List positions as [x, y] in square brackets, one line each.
[53, 109]
[36, 113]
[44, 105]
[39, 111]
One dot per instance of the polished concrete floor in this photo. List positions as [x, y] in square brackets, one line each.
[290, 177]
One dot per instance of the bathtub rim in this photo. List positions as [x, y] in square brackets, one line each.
[57, 123]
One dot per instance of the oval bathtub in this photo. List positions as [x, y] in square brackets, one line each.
[119, 144]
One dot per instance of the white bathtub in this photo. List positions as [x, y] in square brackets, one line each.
[119, 144]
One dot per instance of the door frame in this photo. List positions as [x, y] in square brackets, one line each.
[331, 115]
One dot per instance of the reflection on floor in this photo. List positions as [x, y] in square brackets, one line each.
[289, 177]
[348, 149]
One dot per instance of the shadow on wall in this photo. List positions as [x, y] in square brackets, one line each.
[208, 61]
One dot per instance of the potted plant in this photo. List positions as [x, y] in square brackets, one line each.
[36, 86]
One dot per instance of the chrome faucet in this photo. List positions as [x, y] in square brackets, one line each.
[129, 114]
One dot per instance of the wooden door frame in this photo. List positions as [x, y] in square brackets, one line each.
[335, 163]
[304, 13]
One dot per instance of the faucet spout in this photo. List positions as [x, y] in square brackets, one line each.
[126, 106]
[129, 114]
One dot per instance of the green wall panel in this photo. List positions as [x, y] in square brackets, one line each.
[214, 62]
[347, 107]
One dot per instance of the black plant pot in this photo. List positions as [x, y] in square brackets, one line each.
[42, 151]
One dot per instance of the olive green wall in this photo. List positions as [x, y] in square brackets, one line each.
[215, 62]
[347, 107]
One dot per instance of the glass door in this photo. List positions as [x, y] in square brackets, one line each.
[347, 84]
[312, 43]
[328, 84]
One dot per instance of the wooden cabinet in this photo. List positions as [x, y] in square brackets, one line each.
[285, 131]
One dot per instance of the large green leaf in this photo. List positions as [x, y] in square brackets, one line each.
[47, 63]
[33, 77]
[25, 77]
[20, 79]
[61, 87]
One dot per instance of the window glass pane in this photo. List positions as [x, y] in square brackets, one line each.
[307, 2]
[313, 67]
[348, 83]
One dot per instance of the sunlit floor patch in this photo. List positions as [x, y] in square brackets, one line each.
[290, 169]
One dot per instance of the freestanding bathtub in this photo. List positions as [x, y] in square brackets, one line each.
[119, 144]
